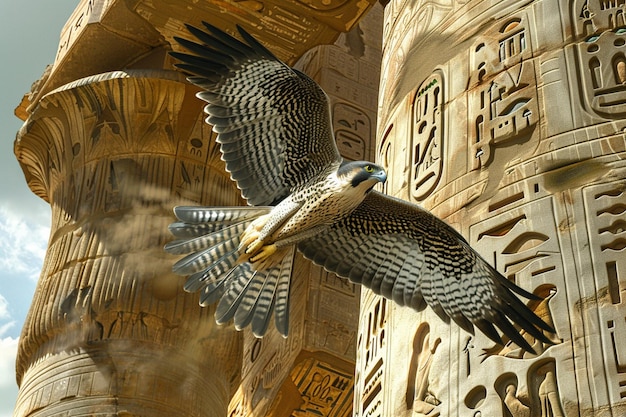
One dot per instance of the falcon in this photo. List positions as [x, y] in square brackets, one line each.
[273, 126]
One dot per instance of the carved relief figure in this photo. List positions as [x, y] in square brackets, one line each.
[514, 405]
[544, 389]
[419, 398]
[513, 402]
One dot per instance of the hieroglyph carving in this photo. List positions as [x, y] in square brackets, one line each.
[369, 394]
[353, 129]
[602, 63]
[502, 95]
[427, 137]
[529, 254]
[419, 398]
[605, 209]
[325, 390]
[601, 55]
[525, 156]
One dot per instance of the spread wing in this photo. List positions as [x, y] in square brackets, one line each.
[408, 255]
[273, 122]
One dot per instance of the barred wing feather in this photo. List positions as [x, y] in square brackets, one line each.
[273, 122]
[210, 237]
[408, 255]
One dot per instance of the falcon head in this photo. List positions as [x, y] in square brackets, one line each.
[362, 174]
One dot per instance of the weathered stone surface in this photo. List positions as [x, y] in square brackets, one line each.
[109, 328]
[506, 119]
[103, 36]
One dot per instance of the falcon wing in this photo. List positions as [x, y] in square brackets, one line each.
[273, 122]
[408, 255]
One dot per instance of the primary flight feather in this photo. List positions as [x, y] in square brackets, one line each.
[274, 129]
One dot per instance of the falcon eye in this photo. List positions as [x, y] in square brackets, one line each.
[369, 169]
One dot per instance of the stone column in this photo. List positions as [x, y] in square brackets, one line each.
[311, 372]
[110, 331]
[507, 119]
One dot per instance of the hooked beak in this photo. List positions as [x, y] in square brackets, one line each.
[380, 176]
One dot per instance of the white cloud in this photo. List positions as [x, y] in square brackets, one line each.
[8, 352]
[8, 386]
[23, 244]
[4, 312]
[5, 315]
[22, 250]
[4, 327]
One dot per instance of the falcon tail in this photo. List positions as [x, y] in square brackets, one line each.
[210, 237]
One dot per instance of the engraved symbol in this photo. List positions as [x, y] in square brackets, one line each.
[427, 137]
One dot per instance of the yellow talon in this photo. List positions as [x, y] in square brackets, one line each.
[260, 257]
[254, 247]
[263, 254]
[251, 234]
[247, 238]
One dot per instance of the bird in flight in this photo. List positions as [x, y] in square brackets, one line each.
[273, 126]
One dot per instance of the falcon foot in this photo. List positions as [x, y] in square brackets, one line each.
[264, 253]
[251, 241]
[252, 247]
[262, 257]
[256, 252]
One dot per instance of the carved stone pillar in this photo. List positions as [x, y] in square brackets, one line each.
[110, 331]
[311, 372]
[507, 119]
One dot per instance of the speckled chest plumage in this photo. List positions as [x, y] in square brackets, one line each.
[326, 200]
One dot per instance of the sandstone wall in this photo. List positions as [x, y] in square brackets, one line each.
[507, 118]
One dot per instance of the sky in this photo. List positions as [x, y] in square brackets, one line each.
[29, 37]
